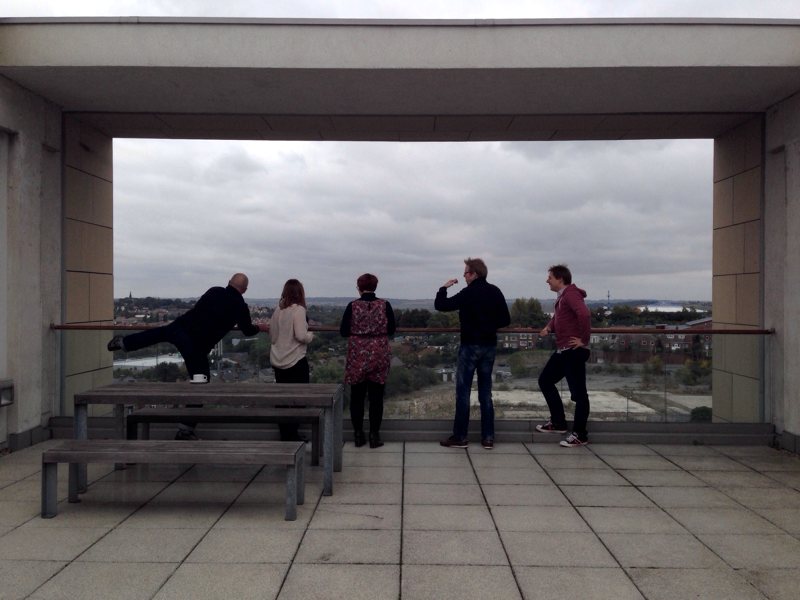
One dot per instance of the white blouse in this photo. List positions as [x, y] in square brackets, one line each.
[288, 329]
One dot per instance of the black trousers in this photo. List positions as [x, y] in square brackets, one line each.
[297, 373]
[572, 365]
[360, 391]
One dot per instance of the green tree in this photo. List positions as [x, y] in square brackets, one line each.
[444, 319]
[415, 317]
[329, 372]
[527, 312]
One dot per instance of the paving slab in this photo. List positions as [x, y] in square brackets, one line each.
[570, 461]
[247, 546]
[206, 492]
[776, 584]
[688, 497]
[144, 545]
[766, 498]
[722, 520]
[99, 581]
[678, 450]
[215, 581]
[220, 473]
[463, 474]
[605, 495]
[647, 463]
[175, 516]
[88, 514]
[251, 515]
[604, 450]
[720, 479]
[452, 548]
[787, 519]
[274, 493]
[137, 492]
[539, 519]
[358, 459]
[709, 463]
[520, 461]
[48, 543]
[493, 475]
[453, 458]
[587, 477]
[330, 546]
[369, 475]
[447, 517]
[615, 519]
[547, 550]
[780, 462]
[357, 516]
[524, 495]
[788, 478]
[428, 493]
[455, 582]
[354, 582]
[552, 446]
[21, 577]
[647, 478]
[500, 447]
[562, 583]
[659, 550]
[365, 493]
[709, 584]
[755, 551]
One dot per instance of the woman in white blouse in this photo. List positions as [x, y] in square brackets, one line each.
[288, 329]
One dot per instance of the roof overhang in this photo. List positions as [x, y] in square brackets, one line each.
[405, 80]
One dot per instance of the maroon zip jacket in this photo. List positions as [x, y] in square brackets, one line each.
[571, 317]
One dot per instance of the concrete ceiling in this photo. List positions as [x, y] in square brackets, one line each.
[405, 80]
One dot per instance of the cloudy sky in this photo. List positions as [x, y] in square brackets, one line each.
[630, 218]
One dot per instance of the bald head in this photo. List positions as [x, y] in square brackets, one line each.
[239, 282]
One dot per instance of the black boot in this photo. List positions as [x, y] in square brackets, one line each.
[375, 440]
[358, 439]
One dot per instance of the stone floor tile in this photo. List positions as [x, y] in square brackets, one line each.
[247, 546]
[333, 546]
[387, 448]
[605, 495]
[13, 513]
[688, 497]
[777, 584]
[453, 458]
[29, 490]
[709, 463]
[736, 479]
[444, 517]
[499, 475]
[274, 493]
[658, 550]
[646, 478]
[220, 473]
[788, 478]
[722, 520]
[370, 475]
[782, 461]
[354, 582]
[678, 450]
[493, 461]
[429, 493]
[374, 459]
[99, 581]
[570, 461]
[524, 495]
[764, 498]
[356, 516]
[426, 447]
[456, 582]
[144, 545]
[547, 550]
[604, 450]
[647, 463]
[12, 472]
[755, 551]
[615, 519]
[48, 543]
[678, 584]
[500, 447]
[123, 491]
[219, 580]
[250, 515]
[88, 514]
[587, 477]
[365, 493]
[452, 548]
[552, 446]
[152, 473]
[745, 450]
[21, 577]
[787, 519]
[206, 492]
[439, 475]
[539, 519]
[576, 582]
[176, 515]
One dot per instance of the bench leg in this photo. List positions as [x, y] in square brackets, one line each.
[49, 490]
[315, 443]
[131, 428]
[81, 421]
[74, 469]
[301, 476]
[338, 443]
[119, 425]
[327, 453]
[291, 493]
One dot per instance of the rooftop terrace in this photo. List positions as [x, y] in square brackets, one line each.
[414, 520]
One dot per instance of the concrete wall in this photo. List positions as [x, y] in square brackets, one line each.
[737, 280]
[88, 256]
[782, 266]
[31, 251]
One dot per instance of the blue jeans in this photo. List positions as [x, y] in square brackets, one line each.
[471, 358]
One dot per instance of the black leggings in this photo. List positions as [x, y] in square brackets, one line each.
[297, 373]
[358, 392]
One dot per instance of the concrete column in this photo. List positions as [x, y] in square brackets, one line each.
[737, 281]
[782, 267]
[30, 247]
[88, 256]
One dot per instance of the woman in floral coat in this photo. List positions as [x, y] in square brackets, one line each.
[367, 322]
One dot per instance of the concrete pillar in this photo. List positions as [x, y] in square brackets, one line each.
[88, 256]
[737, 279]
[782, 267]
[30, 252]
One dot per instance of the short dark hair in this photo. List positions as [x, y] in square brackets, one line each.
[367, 283]
[477, 266]
[561, 272]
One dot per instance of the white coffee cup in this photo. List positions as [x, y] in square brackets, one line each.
[199, 378]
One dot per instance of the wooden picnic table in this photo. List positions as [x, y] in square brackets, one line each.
[327, 396]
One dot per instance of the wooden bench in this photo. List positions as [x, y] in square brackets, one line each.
[206, 452]
[225, 414]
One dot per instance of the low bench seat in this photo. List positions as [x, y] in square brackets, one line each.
[225, 414]
[206, 452]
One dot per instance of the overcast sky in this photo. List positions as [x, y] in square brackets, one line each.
[630, 218]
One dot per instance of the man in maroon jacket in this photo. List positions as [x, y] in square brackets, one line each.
[571, 324]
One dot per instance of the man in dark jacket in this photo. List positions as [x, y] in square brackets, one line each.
[198, 330]
[571, 324]
[482, 310]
